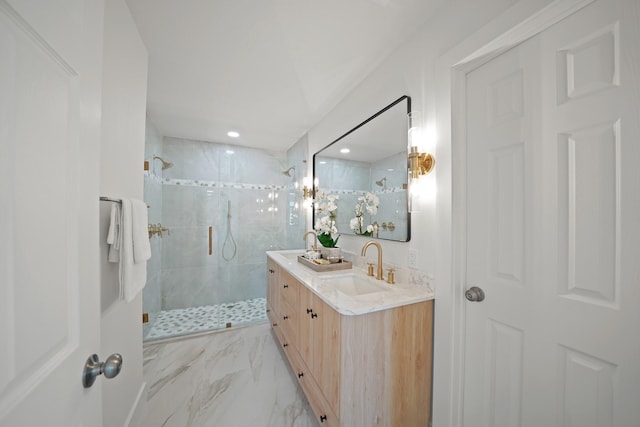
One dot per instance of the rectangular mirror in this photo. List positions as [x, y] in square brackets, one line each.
[366, 168]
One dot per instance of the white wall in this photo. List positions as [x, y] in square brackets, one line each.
[408, 71]
[421, 69]
[121, 172]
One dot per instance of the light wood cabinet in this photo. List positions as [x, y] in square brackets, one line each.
[273, 274]
[282, 303]
[289, 313]
[320, 344]
[371, 369]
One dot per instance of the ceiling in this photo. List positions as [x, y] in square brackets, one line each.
[268, 69]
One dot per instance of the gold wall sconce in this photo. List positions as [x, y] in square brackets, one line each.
[420, 163]
[308, 191]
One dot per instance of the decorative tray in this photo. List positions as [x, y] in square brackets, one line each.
[342, 265]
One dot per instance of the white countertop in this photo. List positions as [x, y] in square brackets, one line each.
[319, 283]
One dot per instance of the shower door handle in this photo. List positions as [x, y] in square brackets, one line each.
[210, 240]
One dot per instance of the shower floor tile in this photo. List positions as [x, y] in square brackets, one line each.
[183, 321]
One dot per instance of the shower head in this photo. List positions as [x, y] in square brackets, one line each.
[382, 182]
[289, 171]
[165, 164]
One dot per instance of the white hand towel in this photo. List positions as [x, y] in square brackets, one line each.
[133, 276]
[113, 236]
[141, 246]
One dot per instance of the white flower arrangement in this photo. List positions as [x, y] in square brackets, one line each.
[368, 203]
[326, 212]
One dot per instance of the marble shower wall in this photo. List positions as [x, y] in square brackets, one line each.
[207, 183]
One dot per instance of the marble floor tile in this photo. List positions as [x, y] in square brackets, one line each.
[231, 378]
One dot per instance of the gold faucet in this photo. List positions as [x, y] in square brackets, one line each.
[157, 229]
[377, 245]
[315, 239]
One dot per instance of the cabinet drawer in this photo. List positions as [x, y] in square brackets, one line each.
[289, 324]
[272, 315]
[283, 340]
[321, 408]
[289, 289]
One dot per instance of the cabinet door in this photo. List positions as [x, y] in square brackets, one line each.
[319, 344]
[289, 288]
[288, 306]
[289, 323]
[305, 331]
[326, 353]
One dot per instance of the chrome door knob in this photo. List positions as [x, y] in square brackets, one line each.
[474, 294]
[93, 367]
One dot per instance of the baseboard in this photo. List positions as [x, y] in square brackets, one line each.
[137, 410]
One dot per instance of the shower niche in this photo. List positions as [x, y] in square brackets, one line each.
[225, 206]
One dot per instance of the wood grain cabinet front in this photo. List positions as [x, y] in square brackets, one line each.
[273, 276]
[372, 369]
[320, 344]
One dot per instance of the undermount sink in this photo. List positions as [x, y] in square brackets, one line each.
[354, 285]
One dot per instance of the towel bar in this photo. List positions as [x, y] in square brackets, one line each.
[109, 199]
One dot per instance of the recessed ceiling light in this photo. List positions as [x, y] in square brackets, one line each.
[323, 162]
[229, 151]
[390, 170]
[345, 150]
[233, 134]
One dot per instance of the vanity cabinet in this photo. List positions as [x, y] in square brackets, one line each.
[371, 369]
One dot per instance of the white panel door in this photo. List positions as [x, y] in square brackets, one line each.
[553, 229]
[50, 62]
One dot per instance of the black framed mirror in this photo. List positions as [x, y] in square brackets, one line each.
[366, 169]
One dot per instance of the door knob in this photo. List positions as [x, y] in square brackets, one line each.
[93, 367]
[474, 294]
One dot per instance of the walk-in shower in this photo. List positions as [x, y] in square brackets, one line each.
[225, 207]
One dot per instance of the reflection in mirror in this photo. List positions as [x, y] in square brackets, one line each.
[367, 169]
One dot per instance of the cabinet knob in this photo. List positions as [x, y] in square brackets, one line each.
[285, 345]
[323, 418]
[314, 315]
[285, 317]
[271, 271]
[275, 324]
[309, 310]
[301, 374]
[285, 286]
